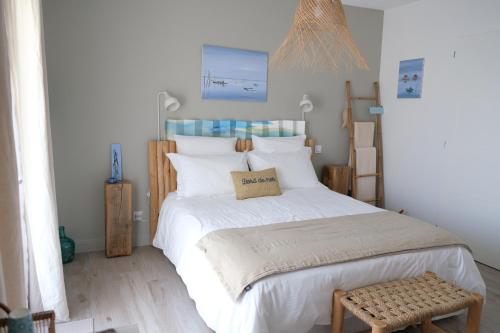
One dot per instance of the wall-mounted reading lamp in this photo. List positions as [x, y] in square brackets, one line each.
[171, 104]
[306, 106]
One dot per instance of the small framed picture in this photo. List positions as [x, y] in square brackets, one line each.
[116, 161]
[411, 74]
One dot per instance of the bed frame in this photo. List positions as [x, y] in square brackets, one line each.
[163, 177]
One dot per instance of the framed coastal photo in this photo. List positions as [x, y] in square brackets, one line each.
[410, 79]
[116, 161]
[233, 74]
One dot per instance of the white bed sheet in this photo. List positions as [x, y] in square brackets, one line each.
[294, 301]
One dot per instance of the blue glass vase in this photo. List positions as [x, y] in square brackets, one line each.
[67, 247]
[20, 321]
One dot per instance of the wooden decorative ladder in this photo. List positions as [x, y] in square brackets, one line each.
[379, 200]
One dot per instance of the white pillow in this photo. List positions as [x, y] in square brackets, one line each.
[280, 144]
[203, 145]
[294, 169]
[206, 174]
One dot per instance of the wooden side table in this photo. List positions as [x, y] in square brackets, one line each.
[118, 218]
[336, 177]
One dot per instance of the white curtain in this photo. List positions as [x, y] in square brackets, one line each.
[23, 21]
[12, 257]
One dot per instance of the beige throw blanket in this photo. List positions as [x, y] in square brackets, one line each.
[241, 256]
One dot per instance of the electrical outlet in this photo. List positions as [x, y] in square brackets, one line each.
[318, 149]
[138, 214]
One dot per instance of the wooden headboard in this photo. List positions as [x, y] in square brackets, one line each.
[163, 177]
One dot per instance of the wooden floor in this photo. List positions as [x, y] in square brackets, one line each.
[144, 289]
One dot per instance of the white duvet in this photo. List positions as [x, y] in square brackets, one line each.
[295, 301]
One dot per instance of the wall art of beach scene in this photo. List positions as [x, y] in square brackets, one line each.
[233, 74]
[411, 74]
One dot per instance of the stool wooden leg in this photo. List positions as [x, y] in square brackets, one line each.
[379, 327]
[337, 312]
[474, 314]
[426, 326]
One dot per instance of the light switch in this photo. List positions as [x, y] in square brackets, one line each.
[318, 149]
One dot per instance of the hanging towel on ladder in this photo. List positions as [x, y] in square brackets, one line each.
[366, 163]
[363, 134]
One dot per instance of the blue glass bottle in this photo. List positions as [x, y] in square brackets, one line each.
[67, 247]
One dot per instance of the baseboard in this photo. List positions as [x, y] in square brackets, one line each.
[141, 233]
[141, 238]
[489, 266]
[89, 245]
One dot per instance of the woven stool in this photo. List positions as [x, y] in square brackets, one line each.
[397, 304]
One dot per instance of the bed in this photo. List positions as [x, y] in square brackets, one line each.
[289, 302]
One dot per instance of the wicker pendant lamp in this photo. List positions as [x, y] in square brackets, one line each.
[319, 39]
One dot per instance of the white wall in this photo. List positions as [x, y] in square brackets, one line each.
[106, 60]
[442, 152]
